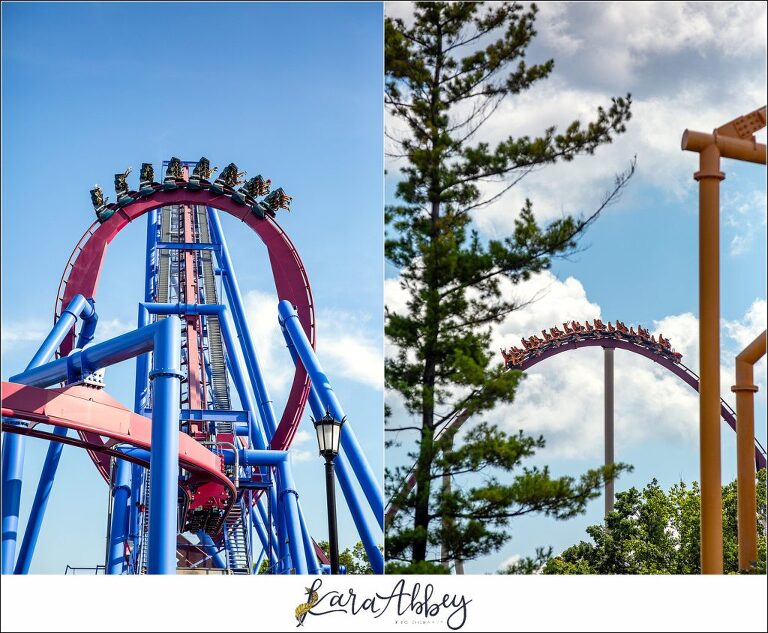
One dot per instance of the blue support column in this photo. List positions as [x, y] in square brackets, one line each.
[289, 499]
[164, 464]
[40, 503]
[290, 320]
[259, 560]
[284, 556]
[211, 550]
[13, 468]
[164, 338]
[121, 498]
[13, 448]
[313, 565]
[269, 526]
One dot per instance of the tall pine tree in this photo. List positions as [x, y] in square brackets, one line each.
[445, 76]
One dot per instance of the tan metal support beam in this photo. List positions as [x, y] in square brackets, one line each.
[745, 452]
[733, 140]
[728, 147]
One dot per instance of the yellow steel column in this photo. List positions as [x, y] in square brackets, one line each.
[745, 450]
[709, 177]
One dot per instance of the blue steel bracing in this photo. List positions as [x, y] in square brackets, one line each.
[118, 533]
[290, 320]
[290, 512]
[84, 309]
[13, 467]
[141, 390]
[265, 520]
[234, 360]
[287, 497]
[257, 523]
[42, 494]
[260, 559]
[284, 556]
[212, 550]
[354, 502]
[313, 565]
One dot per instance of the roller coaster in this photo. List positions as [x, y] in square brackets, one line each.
[201, 461]
[574, 336]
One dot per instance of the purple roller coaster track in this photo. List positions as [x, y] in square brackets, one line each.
[576, 337]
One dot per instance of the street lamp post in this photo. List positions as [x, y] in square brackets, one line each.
[328, 431]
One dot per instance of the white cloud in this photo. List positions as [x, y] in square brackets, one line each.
[33, 330]
[512, 560]
[402, 10]
[744, 217]
[656, 28]
[744, 332]
[302, 437]
[635, 31]
[299, 455]
[349, 348]
[110, 328]
[274, 359]
[556, 31]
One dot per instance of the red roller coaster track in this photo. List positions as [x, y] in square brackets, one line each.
[81, 276]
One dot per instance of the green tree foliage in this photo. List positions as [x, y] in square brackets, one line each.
[445, 76]
[653, 532]
[354, 559]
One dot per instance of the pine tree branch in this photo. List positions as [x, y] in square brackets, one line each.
[620, 183]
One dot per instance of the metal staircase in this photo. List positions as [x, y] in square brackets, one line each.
[236, 540]
[164, 256]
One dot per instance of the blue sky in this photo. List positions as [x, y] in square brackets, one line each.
[291, 91]
[687, 65]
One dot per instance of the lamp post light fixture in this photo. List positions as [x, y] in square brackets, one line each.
[328, 431]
